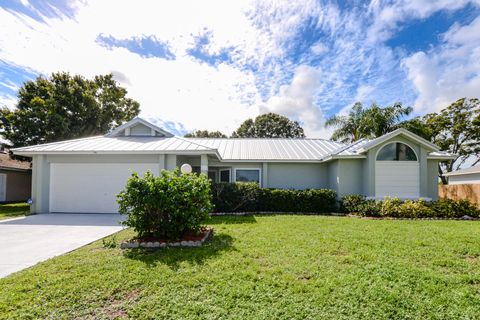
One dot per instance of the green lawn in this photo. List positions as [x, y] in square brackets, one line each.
[266, 267]
[13, 210]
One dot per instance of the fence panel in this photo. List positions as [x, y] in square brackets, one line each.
[460, 191]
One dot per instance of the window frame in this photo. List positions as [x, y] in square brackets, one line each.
[251, 169]
[395, 142]
[229, 175]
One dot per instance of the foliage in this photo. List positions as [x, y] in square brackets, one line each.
[449, 208]
[455, 129]
[394, 207]
[166, 206]
[367, 123]
[350, 203]
[65, 107]
[265, 267]
[269, 125]
[205, 134]
[249, 197]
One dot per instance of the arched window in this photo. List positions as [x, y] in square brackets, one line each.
[396, 151]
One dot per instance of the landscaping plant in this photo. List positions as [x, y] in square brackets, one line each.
[166, 206]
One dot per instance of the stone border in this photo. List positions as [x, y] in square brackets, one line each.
[157, 245]
[222, 214]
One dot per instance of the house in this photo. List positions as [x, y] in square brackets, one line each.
[15, 176]
[464, 176]
[84, 175]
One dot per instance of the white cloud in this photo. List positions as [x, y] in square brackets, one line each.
[387, 17]
[449, 71]
[183, 90]
[297, 101]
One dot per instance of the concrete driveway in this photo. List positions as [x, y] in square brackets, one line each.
[28, 240]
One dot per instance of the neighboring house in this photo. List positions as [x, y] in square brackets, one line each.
[84, 175]
[464, 176]
[15, 176]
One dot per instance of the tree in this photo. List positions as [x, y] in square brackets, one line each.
[205, 134]
[65, 107]
[379, 121]
[351, 127]
[366, 123]
[269, 125]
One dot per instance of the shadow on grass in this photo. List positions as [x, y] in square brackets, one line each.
[231, 220]
[173, 256]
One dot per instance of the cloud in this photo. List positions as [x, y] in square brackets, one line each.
[297, 100]
[449, 71]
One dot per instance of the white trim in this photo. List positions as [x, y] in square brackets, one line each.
[257, 169]
[449, 157]
[396, 141]
[371, 144]
[229, 175]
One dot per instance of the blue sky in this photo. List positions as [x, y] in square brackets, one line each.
[212, 64]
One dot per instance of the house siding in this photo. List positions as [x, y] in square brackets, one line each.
[18, 186]
[297, 175]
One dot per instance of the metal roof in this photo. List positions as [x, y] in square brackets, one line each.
[270, 149]
[116, 144]
[471, 170]
[239, 149]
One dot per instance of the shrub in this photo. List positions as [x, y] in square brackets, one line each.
[390, 207]
[448, 208]
[235, 197]
[351, 203]
[415, 209]
[370, 208]
[249, 197]
[166, 206]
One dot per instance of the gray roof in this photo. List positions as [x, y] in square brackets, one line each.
[471, 170]
[117, 144]
[270, 149]
[274, 149]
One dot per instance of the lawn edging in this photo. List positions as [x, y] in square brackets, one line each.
[135, 243]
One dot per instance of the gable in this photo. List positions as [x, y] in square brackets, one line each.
[139, 128]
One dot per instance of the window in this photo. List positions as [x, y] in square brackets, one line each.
[247, 175]
[224, 175]
[212, 175]
[396, 151]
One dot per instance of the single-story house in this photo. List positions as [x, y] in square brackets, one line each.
[84, 175]
[15, 176]
[464, 176]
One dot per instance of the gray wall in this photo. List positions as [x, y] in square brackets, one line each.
[345, 176]
[297, 175]
[428, 174]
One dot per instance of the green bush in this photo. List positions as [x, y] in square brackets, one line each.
[448, 208]
[370, 208]
[415, 209]
[166, 206]
[351, 203]
[250, 197]
[396, 208]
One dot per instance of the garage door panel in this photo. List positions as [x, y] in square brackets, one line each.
[90, 187]
[397, 179]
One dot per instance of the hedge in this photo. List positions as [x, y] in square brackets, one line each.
[250, 197]
[394, 207]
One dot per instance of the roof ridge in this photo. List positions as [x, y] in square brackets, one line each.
[198, 144]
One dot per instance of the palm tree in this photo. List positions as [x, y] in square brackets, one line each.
[367, 123]
[351, 127]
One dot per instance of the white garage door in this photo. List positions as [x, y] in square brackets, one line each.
[397, 179]
[90, 187]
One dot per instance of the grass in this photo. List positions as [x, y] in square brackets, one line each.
[266, 267]
[12, 210]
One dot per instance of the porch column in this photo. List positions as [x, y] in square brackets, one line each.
[204, 164]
